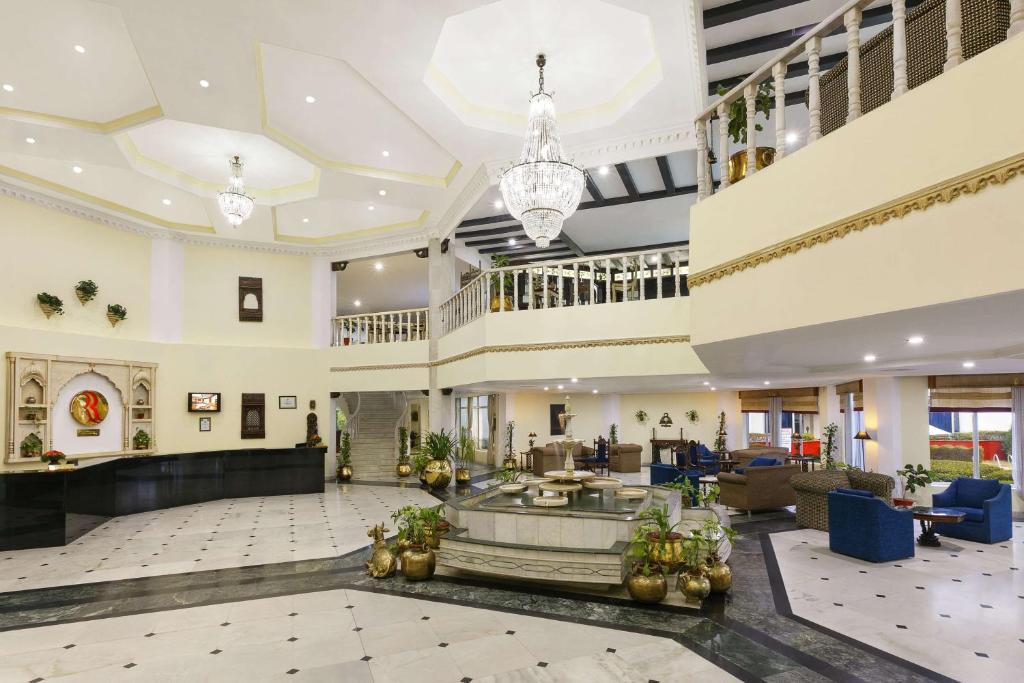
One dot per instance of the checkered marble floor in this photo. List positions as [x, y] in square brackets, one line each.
[225, 533]
[343, 635]
[957, 610]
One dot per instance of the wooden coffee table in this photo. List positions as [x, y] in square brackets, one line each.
[930, 516]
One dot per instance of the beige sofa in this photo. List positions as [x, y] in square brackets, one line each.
[624, 457]
[552, 457]
[758, 488]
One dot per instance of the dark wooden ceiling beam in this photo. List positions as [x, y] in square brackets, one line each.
[487, 220]
[743, 9]
[666, 246]
[627, 180]
[521, 236]
[666, 175]
[594, 191]
[794, 71]
[487, 232]
[555, 251]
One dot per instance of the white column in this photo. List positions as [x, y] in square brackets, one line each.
[813, 49]
[896, 419]
[775, 419]
[852, 22]
[748, 97]
[847, 452]
[167, 291]
[779, 76]
[1017, 445]
[1016, 18]
[975, 448]
[954, 46]
[899, 48]
[723, 146]
[443, 283]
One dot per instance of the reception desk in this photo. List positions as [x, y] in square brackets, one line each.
[40, 508]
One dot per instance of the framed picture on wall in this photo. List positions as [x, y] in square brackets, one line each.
[204, 424]
[556, 425]
[287, 402]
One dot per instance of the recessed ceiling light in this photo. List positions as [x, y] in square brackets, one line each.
[498, 204]
[968, 363]
[310, 99]
[204, 83]
[30, 141]
[76, 169]
[791, 137]
[511, 241]
[574, 380]
[707, 384]
[603, 170]
[915, 340]
[371, 207]
[8, 87]
[79, 49]
[378, 266]
[560, 387]
[545, 388]
[166, 202]
[385, 153]
[870, 358]
[357, 303]
[593, 391]
[305, 220]
[382, 193]
[714, 388]
[766, 382]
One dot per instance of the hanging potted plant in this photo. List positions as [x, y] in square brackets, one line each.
[86, 291]
[641, 416]
[911, 479]
[499, 280]
[50, 304]
[344, 458]
[438, 447]
[693, 582]
[720, 435]
[116, 313]
[646, 582]
[403, 469]
[828, 448]
[666, 543]
[718, 572]
[463, 456]
[737, 112]
[140, 441]
[692, 416]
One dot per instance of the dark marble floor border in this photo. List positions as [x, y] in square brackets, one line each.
[783, 607]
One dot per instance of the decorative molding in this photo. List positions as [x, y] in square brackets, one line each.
[519, 348]
[945, 192]
[113, 126]
[467, 197]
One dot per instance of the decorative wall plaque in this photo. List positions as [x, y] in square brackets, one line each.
[250, 299]
[89, 408]
[253, 416]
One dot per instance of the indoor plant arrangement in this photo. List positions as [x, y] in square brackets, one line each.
[403, 469]
[646, 582]
[438, 447]
[510, 458]
[720, 446]
[116, 313]
[693, 582]
[829, 446]
[910, 479]
[613, 434]
[434, 525]
[31, 446]
[666, 544]
[417, 559]
[506, 281]
[687, 491]
[463, 456]
[345, 457]
[419, 463]
[641, 416]
[140, 441]
[50, 304]
[86, 291]
[737, 112]
[715, 535]
[692, 416]
[52, 457]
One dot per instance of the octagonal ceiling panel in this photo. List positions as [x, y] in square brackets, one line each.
[601, 61]
[196, 158]
[71, 62]
[324, 220]
[351, 126]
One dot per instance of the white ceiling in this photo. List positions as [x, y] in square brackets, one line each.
[131, 113]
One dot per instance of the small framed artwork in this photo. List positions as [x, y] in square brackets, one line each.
[204, 424]
[287, 402]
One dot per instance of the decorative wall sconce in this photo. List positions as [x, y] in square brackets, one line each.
[665, 421]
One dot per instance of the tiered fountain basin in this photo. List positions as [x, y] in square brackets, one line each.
[583, 541]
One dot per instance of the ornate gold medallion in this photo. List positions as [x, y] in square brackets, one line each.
[89, 407]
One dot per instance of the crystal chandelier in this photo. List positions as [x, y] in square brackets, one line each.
[542, 189]
[234, 203]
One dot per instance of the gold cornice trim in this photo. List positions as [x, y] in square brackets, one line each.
[112, 126]
[944, 192]
[520, 348]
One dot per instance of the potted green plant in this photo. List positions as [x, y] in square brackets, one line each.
[613, 434]
[438, 447]
[50, 304]
[911, 478]
[86, 291]
[720, 435]
[434, 525]
[716, 536]
[829, 445]
[687, 491]
[31, 446]
[417, 558]
[646, 582]
[737, 113]
[692, 416]
[666, 542]
[52, 458]
[501, 280]
[708, 496]
[693, 582]
[403, 469]
[419, 461]
[510, 458]
[641, 416]
[344, 458]
[463, 455]
[116, 313]
[140, 441]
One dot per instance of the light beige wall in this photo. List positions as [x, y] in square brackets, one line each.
[346, 358]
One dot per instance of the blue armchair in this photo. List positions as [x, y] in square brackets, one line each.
[987, 508]
[865, 527]
[666, 474]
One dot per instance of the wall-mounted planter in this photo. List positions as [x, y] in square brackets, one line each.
[116, 313]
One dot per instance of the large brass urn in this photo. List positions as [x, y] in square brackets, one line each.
[437, 474]
[694, 585]
[667, 553]
[647, 589]
[720, 577]
[418, 563]
[403, 469]
[764, 156]
[344, 472]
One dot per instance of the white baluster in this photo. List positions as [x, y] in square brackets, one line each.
[723, 147]
[561, 283]
[813, 89]
[749, 94]
[899, 48]
[1016, 18]
[703, 189]
[575, 284]
[593, 283]
[678, 272]
[641, 279]
[501, 291]
[544, 285]
[608, 293]
[954, 45]
[779, 75]
[657, 268]
[529, 289]
[426, 326]
[852, 21]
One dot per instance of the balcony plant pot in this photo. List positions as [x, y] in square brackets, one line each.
[496, 304]
[344, 472]
[764, 156]
[418, 563]
[437, 474]
[647, 589]
[667, 553]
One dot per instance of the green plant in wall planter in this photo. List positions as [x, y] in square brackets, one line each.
[50, 304]
[141, 440]
[86, 291]
[116, 313]
[692, 416]
[641, 416]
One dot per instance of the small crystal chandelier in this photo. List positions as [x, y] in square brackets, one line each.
[542, 189]
[234, 203]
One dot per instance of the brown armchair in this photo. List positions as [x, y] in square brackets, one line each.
[624, 457]
[812, 489]
[758, 488]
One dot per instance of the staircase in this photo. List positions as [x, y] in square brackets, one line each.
[374, 438]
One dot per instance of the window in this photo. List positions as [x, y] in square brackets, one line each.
[757, 428]
[473, 414]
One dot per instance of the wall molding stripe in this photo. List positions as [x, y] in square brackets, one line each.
[945, 192]
[520, 348]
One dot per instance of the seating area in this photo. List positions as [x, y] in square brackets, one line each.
[864, 526]
[812, 489]
[986, 506]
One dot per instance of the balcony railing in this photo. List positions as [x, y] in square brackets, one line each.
[381, 328]
[958, 45]
[586, 281]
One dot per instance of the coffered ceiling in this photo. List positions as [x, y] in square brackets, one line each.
[362, 125]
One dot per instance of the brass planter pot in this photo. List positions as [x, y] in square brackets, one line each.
[438, 474]
[764, 156]
[695, 587]
[509, 463]
[496, 304]
[462, 475]
[667, 553]
[433, 536]
[418, 563]
[403, 469]
[720, 577]
[345, 473]
[648, 589]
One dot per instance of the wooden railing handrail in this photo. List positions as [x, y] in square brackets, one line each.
[585, 259]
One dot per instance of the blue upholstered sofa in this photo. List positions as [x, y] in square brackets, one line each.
[862, 526]
[987, 506]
